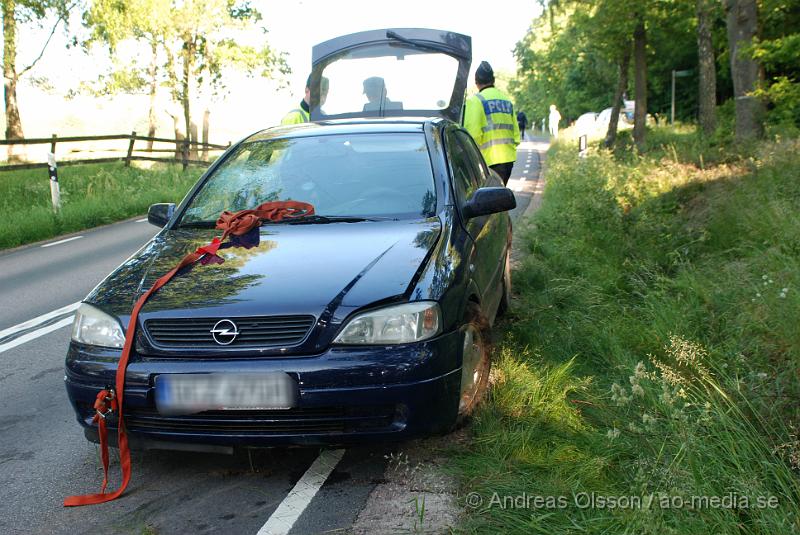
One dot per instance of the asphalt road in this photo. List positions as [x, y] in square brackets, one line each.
[44, 456]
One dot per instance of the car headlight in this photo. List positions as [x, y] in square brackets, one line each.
[94, 327]
[400, 324]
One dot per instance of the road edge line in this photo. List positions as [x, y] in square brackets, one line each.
[36, 334]
[289, 510]
[38, 320]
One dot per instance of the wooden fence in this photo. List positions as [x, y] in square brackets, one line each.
[182, 147]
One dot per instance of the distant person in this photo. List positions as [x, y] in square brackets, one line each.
[302, 114]
[553, 120]
[489, 118]
[522, 121]
[544, 120]
[375, 90]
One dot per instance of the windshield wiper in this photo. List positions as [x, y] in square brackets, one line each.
[323, 219]
[434, 47]
[198, 224]
[307, 220]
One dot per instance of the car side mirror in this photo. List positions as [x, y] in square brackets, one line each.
[487, 201]
[160, 214]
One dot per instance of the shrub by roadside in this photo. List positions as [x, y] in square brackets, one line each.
[647, 381]
[91, 195]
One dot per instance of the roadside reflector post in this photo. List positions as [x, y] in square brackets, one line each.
[582, 145]
[55, 192]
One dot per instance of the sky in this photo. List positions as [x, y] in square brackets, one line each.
[251, 104]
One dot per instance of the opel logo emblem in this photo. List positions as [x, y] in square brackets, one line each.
[224, 332]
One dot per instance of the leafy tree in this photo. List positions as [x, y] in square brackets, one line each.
[777, 49]
[190, 43]
[17, 12]
[111, 22]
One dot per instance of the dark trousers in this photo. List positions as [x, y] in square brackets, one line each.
[504, 170]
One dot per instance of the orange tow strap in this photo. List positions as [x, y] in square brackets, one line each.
[111, 401]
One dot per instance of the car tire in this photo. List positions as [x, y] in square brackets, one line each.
[505, 300]
[476, 363]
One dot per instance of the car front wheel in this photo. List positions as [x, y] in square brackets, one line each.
[475, 362]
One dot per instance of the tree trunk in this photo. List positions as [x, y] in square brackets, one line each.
[188, 60]
[13, 121]
[707, 68]
[176, 124]
[742, 21]
[640, 78]
[206, 115]
[193, 138]
[153, 72]
[622, 85]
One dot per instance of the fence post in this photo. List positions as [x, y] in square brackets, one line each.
[53, 145]
[185, 154]
[130, 149]
[55, 192]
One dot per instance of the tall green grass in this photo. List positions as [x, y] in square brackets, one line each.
[653, 349]
[91, 195]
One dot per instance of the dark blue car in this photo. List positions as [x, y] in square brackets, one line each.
[368, 320]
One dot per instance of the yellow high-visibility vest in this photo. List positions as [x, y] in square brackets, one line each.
[490, 120]
[295, 117]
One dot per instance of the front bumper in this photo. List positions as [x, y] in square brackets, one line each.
[347, 394]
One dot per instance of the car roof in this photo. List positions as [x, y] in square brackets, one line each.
[346, 126]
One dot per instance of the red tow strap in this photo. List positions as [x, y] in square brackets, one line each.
[111, 401]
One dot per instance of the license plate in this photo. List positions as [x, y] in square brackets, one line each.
[192, 393]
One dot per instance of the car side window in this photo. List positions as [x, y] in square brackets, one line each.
[477, 166]
[465, 180]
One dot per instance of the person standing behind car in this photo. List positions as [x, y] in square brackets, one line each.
[489, 118]
[302, 114]
[553, 120]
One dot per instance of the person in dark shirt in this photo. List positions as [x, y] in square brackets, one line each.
[522, 121]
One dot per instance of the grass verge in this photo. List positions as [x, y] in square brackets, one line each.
[647, 378]
[91, 195]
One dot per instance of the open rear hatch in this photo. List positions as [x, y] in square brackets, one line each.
[401, 72]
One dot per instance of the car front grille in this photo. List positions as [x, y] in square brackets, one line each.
[289, 421]
[254, 332]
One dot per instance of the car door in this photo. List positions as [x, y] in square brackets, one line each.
[489, 233]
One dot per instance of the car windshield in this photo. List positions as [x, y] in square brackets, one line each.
[393, 78]
[355, 175]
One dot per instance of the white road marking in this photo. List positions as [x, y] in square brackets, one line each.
[36, 334]
[38, 320]
[143, 220]
[59, 242]
[290, 509]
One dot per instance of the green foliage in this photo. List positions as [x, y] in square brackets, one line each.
[778, 51]
[190, 35]
[27, 11]
[570, 55]
[652, 347]
[557, 64]
[124, 80]
[91, 195]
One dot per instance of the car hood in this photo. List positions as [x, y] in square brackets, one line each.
[316, 269]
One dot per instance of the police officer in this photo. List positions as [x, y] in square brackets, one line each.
[489, 118]
[301, 114]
